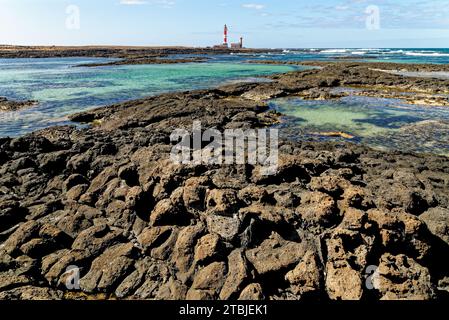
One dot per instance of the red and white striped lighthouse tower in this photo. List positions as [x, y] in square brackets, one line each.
[225, 35]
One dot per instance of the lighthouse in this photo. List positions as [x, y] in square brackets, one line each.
[225, 35]
[225, 45]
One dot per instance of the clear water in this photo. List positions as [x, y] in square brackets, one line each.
[63, 89]
[380, 123]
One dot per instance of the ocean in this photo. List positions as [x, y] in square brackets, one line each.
[62, 88]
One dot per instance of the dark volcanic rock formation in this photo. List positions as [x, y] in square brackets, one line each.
[122, 52]
[109, 202]
[10, 105]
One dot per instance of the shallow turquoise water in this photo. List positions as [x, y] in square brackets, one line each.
[380, 123]
[63, 89]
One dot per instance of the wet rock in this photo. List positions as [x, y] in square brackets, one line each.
[10, 105]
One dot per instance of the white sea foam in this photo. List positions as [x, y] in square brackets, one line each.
[335, 51]
[427, 54]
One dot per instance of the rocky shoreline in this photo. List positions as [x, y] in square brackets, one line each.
[374, 79]
[109, 201]
[7, 105]
[114, 52]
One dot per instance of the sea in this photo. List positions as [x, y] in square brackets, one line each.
[62, 88]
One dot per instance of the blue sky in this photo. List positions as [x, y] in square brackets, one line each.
[268, 23]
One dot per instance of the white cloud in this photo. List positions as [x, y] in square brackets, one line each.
[133, 2]
[255, 6]
[162, 3]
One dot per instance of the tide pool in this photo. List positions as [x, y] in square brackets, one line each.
[387, 124]
[61, 88]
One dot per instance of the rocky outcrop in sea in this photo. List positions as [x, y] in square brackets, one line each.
[7, 105]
